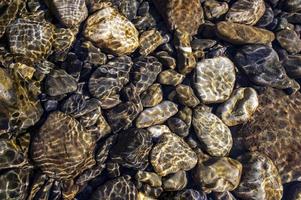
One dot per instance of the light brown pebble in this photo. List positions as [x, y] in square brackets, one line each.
[214, 79]
[142, 196]
[152, 96]
[239, 108]
[170, 77]
[218, 174]
[149, 41]
[112, 31]
[157, 114]
[243, 34]
[175, 182]
[158, 130]
[149, 178]
[172, 154]
[186, 96]
[214, 9]
[212, 132]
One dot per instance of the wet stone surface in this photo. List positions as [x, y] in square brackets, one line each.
[150, 99]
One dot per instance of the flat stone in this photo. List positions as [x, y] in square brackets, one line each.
[243, 34]
[171, 154]
[175, 182]
[156, 115]
[212, 132]
[239, 108]
[258, 169]
[214, 79]
[59, 82]
[246, 12]
[170, 77]
[289, 40]
[178, 126]
[262, 66]
[292, 65]
[112, 31]
[218, 174]
[274, 130]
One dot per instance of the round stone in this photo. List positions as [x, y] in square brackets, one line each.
[260, 178]
[218, 174]
[178, 126]
[274, 130]
[59, 82]
[186, 96]
[292, 65]
[152, 96]
[62, 148]
[243, 34]
[212, 132]
[172, 154]
[170, 77]
[214, 79]
[149, 178]
[132, 149]
[112, 31]
[289, 40]
[239, 108]
[175, 182]
[262, 66]
[246, 12]
[157, 114]
[214, 9]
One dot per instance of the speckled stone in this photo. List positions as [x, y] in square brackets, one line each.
[170, 77]
[275, 131]
[178, 126]
[239, 108]
[186, 96]
[218, 174]
[224, 196]
[7, 92]
[292, 65]
[212, 132]
[152, 96]
[190, 194]
[171, 155]
[214, 9]
[149, 178]
[292, 5]
[142, 196]
[262, 66]
[289, 40]
[214, 79]
[149, 41]
[246, 12]
[156, 115]
[260, 178]
[112, 31]
[158, 130]
[243, 34]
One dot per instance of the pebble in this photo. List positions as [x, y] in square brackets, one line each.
[292, 5]
[239, 108]
[7, 92]
[289, 40]
[171, 154]
[157, 114]
[190, 194]
[186, 96]
[111, 31]
[170, 77]
[212, 132]
[262, 66]
[178, 126]
[292, 65]
[120, 188]
[166, 60]
[113, 169]
[243, 34]
[258, 169]
[70, 13]
[214, 9]
[158, 130]
[214, 79]
[246, 12]
[152, 96]
[132, 149]
[149, 178]
[59, 82]
[142, 196]
[145, 72]
[224, 196]
[175, 182]
[267, 18]
[149, 41]
[218, 174]
[153, 192]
